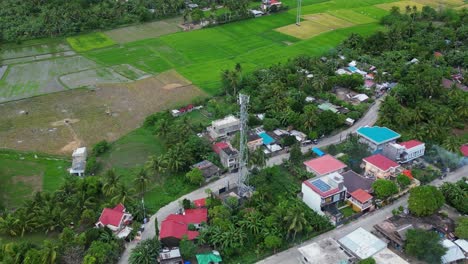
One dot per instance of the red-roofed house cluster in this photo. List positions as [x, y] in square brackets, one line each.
[176, 226]
[116, 219]
[333, 184]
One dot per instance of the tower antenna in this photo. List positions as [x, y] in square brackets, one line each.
[298, 14]
[242, 181]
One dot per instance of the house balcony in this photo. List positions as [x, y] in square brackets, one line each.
[359, 205]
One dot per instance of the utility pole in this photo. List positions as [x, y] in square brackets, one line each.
[298, 14]
[242, 185]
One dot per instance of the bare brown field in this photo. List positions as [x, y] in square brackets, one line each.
[59, 122]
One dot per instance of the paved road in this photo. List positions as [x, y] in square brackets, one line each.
[292, 255]
[367, 120]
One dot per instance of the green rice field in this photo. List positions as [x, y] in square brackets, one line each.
[201, 55]
[90, 41]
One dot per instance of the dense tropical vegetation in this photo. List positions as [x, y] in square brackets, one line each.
[419, 107]
[456, 195]
[270, 220]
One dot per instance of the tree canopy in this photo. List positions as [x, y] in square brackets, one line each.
[425, 200]
[384, 188]
[425, 245]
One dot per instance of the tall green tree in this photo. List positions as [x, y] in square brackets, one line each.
[424, 245]
[384, 188]
[425, 200]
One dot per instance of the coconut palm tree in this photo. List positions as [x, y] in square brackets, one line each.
[451, 143]
[163, 127]
[295, 221]
[157, 164]
[122, 194]
[111, 183]
[141, 181]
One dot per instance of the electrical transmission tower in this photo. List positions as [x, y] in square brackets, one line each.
[242, 181]
[298, 14]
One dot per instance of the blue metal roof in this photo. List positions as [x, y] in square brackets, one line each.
[318, 151]
[267, 140]
[377, 134]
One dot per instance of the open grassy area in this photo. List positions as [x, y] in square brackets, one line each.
[43, 128]
[90, 41]
[328, 20]
[132, 149]
[443, 3]
[23, 173]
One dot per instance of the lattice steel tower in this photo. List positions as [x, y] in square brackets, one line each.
[298, 14]
[242, 181]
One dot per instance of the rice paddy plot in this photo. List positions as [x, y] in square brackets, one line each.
[90, 41]
[352, 16]
[145, 31]
[306, 30]
[130, 72]
[30, 48]
[39, 77]
[92, 77]
[328, 20]
[39, 57]
[401, 4]
[371, 11]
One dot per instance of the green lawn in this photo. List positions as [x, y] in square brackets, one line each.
[22, 173]
[347, 211]
[90, 41]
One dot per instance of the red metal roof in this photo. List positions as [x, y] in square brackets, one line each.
[408, 174]
[325, 164]
[410, 144]
[177, 225]
[196, 216]
[361, 195]
[112, 216]
[217, 147]
[171, 228]
[464, 150]
[200, 202]
[381, 162]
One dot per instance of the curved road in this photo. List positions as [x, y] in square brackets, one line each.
[367, 120]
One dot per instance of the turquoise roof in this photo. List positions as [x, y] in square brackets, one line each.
[267, 140]
[378, 135]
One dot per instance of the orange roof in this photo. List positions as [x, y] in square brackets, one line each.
[361, 195]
